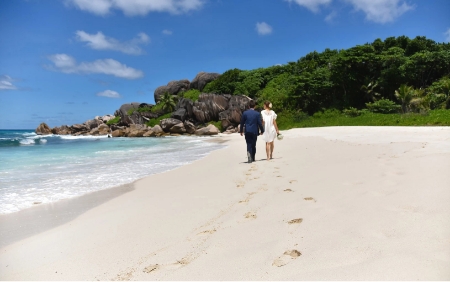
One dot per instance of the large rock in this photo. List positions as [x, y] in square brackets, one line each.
[79, 127]
[190, 127]
[209, 106]
[127, 119]
[157, 129]
[233, 115]
[137, 130]
[61, 130]
[239, 101]
[187, 104]
[43, 129]
[209, 130]
[118, 133]
[178, 128]
[92, 123]
[179, 114]
[107, 118]
[174, 88]
[149, 133]
[167, 123]
[103, 129]
[203, 78]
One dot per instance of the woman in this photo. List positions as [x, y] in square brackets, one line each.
[270, 128]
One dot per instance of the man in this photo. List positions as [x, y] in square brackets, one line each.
[253, 125]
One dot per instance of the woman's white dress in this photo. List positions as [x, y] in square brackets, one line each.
[270, 133]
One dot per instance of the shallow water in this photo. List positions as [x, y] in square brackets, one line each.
[42, 169]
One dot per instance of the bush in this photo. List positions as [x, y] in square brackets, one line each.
[352, 112]
[329, 113]
[383, 106]
[192, 94]
[155, 121]
[115, 120]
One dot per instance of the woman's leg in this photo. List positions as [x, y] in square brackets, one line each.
[271, 148]
[268, 150]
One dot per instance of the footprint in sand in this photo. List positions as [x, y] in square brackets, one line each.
[288, 190]
[206, 232]
[293, 181]
[310, 199]
[295, 221]
[151, 268]
[250, 215]
[287, 257]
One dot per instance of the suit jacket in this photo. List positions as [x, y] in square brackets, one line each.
[252, 121]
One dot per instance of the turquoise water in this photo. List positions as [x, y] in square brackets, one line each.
[43, 169]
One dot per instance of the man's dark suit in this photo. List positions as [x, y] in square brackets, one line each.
[252, 121]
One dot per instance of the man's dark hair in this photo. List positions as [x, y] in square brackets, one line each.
[251, 104]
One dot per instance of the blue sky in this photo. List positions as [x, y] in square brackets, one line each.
[66, 61]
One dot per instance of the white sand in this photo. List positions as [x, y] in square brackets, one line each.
[339, 203]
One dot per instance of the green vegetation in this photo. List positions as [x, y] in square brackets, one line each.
[192, 94]
[115, 120]
[378, 76]
[167, 102]
[155, 121]
[217, 124]
[287, 120]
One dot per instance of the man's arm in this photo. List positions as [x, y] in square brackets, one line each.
[243, 118]
[260, 125]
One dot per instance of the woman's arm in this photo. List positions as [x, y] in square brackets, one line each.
[276, 126]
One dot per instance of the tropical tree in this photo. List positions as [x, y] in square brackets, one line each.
[168, 102]
[371, 94]
[404, 94]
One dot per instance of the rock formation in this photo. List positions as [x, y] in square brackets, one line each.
[203, 78]
[43, 129]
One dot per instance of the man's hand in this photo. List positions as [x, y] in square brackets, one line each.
[242, 134]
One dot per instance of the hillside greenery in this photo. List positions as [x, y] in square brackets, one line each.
[365, 82]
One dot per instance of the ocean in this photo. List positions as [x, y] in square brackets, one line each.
[37, 169]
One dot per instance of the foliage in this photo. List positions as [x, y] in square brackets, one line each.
[131, 111]
[192, 94]
[115, 120]
[351, 112]
[157, 108]
[144, 109]
[405, 94]
[286, 120]
[167, 102]
[155, 121]
[383, 106]
[217, 124]
[440, 93]
[225, 84]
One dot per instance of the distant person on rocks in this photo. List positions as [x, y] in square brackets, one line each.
[252, 121]
[270, 128]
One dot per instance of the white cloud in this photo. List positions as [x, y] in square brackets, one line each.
[109, 94]
[67, 64]
[99, 41]
[263, 28]
[447, 35]
[381, 11]
[6, 83]
[136, 7]
[167, 32]
[312, 5]
[331, 16]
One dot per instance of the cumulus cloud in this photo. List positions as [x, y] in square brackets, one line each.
[447, 35]
[381, 11]
[109, 94]
[67, 64]
[99, 41]
[263, 28]
[167, 32]
[6, 83]
[136, 7]
[312, 5]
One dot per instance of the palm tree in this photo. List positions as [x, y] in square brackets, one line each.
[420, 100]
[404, 94]
[369, 89]
[168, 102]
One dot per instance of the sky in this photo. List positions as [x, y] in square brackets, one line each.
[67, 61]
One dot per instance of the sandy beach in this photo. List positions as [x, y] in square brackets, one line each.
[335, 203]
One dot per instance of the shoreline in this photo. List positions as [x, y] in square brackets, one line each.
[45, 216]
[335, 203]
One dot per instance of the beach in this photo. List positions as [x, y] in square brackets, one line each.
[335, 203]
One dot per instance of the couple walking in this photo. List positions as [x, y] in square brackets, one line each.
[255, 123]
